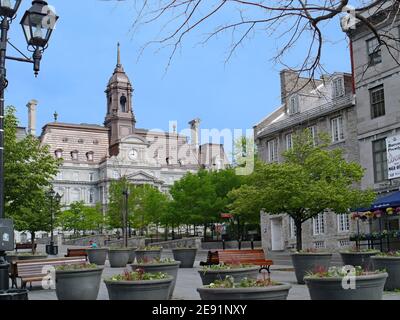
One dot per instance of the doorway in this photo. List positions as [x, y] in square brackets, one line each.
[277, 243]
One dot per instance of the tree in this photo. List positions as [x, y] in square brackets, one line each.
[300, 26]
[312, 179]
[81, 218]
[29, 169]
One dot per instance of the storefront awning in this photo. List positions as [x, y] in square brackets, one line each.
[385, 201]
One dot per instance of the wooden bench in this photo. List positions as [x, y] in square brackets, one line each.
[81, 252]
[32, 270]
[24, 246]
[255, 257]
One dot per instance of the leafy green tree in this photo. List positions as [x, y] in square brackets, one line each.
[29, 169]
[312, 179]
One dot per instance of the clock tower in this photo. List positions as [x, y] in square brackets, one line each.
[120, 118]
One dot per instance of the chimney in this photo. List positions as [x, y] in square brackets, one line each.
[32, 117]
[195, 132]
[289, 79]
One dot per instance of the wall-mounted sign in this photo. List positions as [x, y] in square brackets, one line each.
[393, 156]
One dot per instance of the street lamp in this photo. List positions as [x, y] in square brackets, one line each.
[126, 194]
[38, 23]
[51, 248]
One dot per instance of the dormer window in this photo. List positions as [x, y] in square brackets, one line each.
[74, 155]
[337, 87]
[58, 153]
[293, 107]
[122, 102]
[167, 160]
[89, 156]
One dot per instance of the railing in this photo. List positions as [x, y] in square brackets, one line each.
[320, 111]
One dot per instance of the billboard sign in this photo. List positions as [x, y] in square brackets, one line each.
[393, 156]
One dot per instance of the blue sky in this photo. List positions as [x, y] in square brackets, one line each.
[82, 55]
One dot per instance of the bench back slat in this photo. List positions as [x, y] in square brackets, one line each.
[242, 256]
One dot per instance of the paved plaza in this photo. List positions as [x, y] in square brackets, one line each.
[189, 280]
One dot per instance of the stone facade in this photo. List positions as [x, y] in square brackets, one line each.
[95, 155]
[316, 105]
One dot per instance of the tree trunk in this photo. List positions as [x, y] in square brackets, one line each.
[299, 239]
[33, 242]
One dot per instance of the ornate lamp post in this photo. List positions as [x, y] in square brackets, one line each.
[126, 194]
[51, 248]
[38, 23]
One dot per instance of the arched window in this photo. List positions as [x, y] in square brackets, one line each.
[122, 102]
[89, 156]
[91, 196]
[74, 155]
[59, 153]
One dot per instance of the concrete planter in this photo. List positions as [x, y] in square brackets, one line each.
[132, 255]
[186, 256]
[392, 266]
[119, 257]
[209, 276]
[139, 290]
[31, 257]
[278, 292]
[358, 259]
[170, 268]
[368, 287]
[309, 262]
[78, 284]
[97, 255]
[147, 255]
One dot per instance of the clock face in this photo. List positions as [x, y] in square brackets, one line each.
[133, 154]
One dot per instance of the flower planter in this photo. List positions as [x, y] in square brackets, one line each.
[139, 290]
[368, 287]
[392, 266]
[147, 255]
[209, 275]
[81, 284]
[186, 256]
[119, 258]
[31, 256]
[278, 292]
[97, 255]
[309, 262]
[358, 259]
[170, 268]
[132, 255]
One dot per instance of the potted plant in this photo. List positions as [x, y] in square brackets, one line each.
[97, 255]
[336, 283]
[307, 260]
[148, 253]
[245, 289]
[390, 262]
[78, 282]
[118, 257]
[358, 257]
[186, 255]
[139, 285]
[210, 274]
[167, 266]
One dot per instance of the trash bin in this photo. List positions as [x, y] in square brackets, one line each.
[14, 294]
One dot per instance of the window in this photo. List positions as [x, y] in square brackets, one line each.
[337, 129]
[96, 142]
[380, 160]
[313, 134]
[319, 224]
[91, 176]
[319, 244]
[65, 140]
[289, 141]
[75, 195]
[377, 98]
[80, 141]
[116, 174]
[344, 243]
[58, 153]
[343, 222]
[74, 155]
[122, 102]
[89, 156]
[75, 176]
[91, 196]
[337, 87]
[374, 52]
[294, 104]
[292, 228]
[273, 150]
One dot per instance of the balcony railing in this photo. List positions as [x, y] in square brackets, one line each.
[308, 115]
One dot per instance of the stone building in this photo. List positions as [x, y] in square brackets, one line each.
[95, 155]
[377, 79]
[320, 105]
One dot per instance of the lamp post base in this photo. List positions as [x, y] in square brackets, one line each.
[4, 277]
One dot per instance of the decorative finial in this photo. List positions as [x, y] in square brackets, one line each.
[118, 55]
[55, 116]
